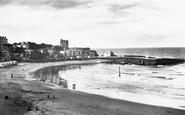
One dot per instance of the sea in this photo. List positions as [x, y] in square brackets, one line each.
[168, 52]
[152, 85]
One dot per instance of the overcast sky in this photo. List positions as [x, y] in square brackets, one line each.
[95, 23]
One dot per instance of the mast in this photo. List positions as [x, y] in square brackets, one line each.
[119, 72]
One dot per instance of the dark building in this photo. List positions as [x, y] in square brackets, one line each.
[3, 40]
[64, 44]
[3, 52]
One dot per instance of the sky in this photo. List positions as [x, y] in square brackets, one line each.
[95, 23]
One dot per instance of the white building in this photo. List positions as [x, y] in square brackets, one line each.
[108, 54]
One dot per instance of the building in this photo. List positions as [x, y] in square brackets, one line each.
[80, 53]
[74, 53]
[50, 51]
[93, 54]
[6, 52]
[24, 45]
[3, 40]
[22, 51]
[64, 44]
[85, 52]
[3, 52]
[108, 54]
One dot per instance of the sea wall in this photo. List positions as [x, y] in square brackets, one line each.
[145, 61]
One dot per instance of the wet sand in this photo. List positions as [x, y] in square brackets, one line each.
[28, 96]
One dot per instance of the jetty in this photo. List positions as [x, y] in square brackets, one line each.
[142, 60]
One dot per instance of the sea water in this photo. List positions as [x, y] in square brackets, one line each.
[156, 52]
[154, 85]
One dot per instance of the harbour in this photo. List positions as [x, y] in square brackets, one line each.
[142, 60]
[92, 57]
[153, 85]
[144, 56]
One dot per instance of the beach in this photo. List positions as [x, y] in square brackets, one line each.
[29, 96]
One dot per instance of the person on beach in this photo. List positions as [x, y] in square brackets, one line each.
[37, 108]
[74, 86]
[12, 75]
[6, 97]
[29, 108]
[53, 96]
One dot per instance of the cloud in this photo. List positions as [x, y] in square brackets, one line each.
[22, 2]
[58, 4]
[121, 23]
[5, 2]
[109, 22]
[117, 8]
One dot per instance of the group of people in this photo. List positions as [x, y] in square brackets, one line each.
[51, 97]
[74, 86]
[30, 108]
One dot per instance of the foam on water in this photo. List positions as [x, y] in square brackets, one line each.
[161, 86]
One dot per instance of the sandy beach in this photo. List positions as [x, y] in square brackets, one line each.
[21, 94]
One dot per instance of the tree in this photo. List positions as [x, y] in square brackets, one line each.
[58, 48]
